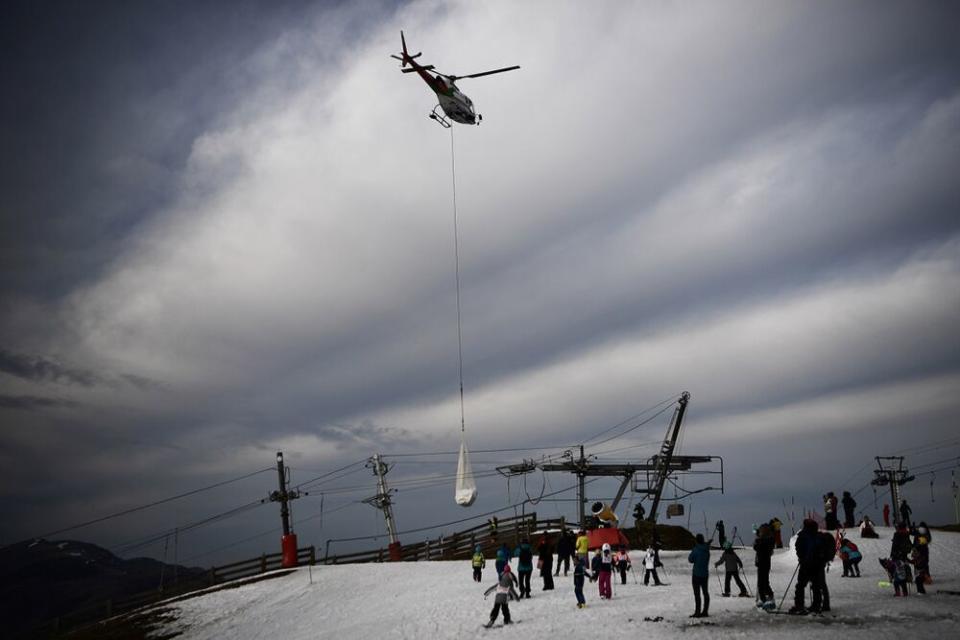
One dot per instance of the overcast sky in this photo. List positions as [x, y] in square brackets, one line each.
[227, 230]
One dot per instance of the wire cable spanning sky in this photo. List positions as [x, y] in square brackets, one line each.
[225, 232]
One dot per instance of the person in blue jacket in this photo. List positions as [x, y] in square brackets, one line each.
[524, 555]
[700, 559]
[503, 559]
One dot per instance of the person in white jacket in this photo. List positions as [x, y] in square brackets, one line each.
[650, 567]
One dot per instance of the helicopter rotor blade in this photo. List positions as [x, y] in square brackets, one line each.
[484, 73]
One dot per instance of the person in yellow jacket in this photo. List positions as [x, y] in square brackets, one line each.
[479, 562]
[583, 547]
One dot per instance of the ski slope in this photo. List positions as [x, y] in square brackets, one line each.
[436, 600]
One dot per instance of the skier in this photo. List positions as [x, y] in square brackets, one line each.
[763, 546]
[809, 571]
[595, 567]
[886, 515]
[579, 571]
[721, 532]
[606, 570]
[775, 524]
[866, 528]
[849, 505]
[505, 592]
[830, 511]
[622, 562]
[524, 566]
[583, 546]
[492, 525]
[700, 559]
[564, 549]
[732, 565]
[851, 557]
[479, 562]
[900, 544]
[650, 567]
[921, 560]
[545, 562]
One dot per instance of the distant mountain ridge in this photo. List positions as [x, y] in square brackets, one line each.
[42, 579]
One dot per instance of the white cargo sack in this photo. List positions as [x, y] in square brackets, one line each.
[466, 486]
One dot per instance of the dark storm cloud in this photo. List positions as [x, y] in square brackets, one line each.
[39, 369]
[101, 104]
[33, 403]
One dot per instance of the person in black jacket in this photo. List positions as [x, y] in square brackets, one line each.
[905, 513]
[763, 546]
[545, 562]
[849, 505]
[808, 548]
[564, 551]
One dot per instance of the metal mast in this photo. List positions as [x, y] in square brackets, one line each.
[382, 499]
[892, 474]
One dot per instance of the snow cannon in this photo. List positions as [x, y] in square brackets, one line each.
[607, 532]
[605, 515]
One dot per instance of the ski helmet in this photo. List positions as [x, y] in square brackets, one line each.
[606, 547]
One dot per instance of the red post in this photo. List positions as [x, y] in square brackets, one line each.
[288, 545]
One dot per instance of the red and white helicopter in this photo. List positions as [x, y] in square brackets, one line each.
[453, 102]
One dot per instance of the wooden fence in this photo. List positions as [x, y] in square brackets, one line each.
[459, 545]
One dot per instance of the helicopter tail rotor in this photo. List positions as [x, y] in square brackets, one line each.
[405, 57]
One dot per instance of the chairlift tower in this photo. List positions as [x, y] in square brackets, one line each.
[890, 471]
[659, 468]
[382, 499]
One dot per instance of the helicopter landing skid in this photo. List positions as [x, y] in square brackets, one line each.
[441, 119]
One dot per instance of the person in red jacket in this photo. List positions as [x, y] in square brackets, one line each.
[886, 515]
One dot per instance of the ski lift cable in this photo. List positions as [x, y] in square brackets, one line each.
[630, 419]
[469, 518]
[634, 427]
[152, 504]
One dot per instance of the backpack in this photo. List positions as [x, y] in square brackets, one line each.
[826, 547]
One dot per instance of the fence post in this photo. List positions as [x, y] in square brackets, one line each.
[380, 554]
[213, 576]
[263, 563]
[313, 555]
[109, 607]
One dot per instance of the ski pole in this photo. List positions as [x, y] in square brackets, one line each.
[720, 584]
[788, 586]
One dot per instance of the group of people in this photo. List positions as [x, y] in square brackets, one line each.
[909, 561]
[605, 563]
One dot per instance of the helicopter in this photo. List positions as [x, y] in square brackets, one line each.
[453, 104]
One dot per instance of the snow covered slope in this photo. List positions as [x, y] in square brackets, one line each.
[438, 600]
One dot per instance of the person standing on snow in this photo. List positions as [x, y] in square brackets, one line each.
[524, 554]
[650, 567]
[763, 546]
[886, 515]
[503, 559]
[606, 572]
[622, 562]
[849, 506]
[700, 559]
[545, 562]
[776, 525]
[583, 546]
[905, 513]
[732, 564]
[807, 548]
[920, 558]
[564, 549]
[505, 592]
[579, 572]
[479, 562]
